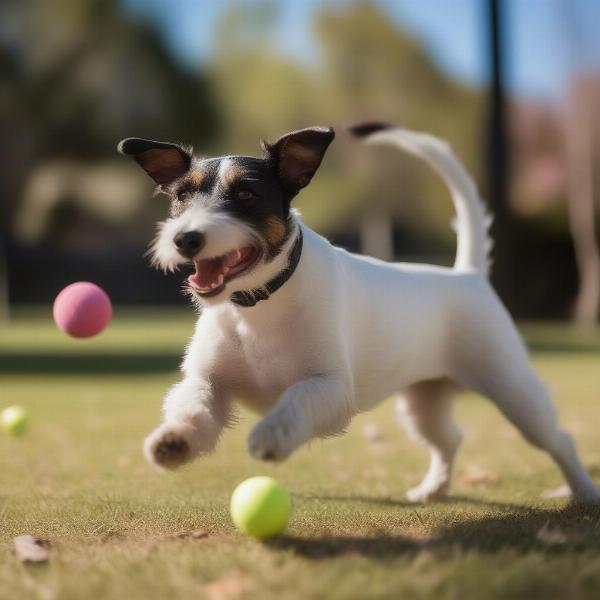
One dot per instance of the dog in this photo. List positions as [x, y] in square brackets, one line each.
[308, 335]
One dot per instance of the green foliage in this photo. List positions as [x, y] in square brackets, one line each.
[76, 77]
[81, 85]
[369, 70]
[99, 76]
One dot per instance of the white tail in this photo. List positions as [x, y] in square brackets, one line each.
[472, 220]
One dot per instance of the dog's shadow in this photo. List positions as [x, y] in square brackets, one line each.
[522, 529]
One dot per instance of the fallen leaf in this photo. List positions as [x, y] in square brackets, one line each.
[372, 432]
[196, 534]
[479, 476]
[562, 491]
[228, 587]
[31, 550]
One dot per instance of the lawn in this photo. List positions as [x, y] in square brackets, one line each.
[120, 530]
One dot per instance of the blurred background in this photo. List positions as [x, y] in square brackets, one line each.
[513, 85]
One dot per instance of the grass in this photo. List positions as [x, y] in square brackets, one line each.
[78, 478]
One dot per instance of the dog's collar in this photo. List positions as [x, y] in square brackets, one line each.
[251, 297]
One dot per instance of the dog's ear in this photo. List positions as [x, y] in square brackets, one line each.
[297, 155]
[164, 162]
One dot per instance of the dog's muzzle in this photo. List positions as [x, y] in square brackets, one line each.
[188, 244]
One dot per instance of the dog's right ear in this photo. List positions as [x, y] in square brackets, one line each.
[164, 162]
[298, 154]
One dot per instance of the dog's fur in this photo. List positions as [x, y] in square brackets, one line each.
[344, 332]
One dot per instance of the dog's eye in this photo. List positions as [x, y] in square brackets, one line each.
[179, 202]
[245, 195]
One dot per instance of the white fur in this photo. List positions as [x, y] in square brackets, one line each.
[472, 221]
[346, 332]
[222, 234]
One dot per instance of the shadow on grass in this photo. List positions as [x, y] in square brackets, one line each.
[547, 531]
[360, 499]
[408, 504]
[47, 363]
[562, 347]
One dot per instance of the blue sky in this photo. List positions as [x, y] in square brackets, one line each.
[546, 41]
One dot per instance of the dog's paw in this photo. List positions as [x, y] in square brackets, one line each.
[170, 446]
[426, 492]
[270, 440]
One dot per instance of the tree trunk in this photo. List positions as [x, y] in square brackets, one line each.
[580, 144]
[377, 235]
[4, 304]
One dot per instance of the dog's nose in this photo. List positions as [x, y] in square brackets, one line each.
[189, 243]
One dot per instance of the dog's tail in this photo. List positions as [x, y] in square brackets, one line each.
[472, 219]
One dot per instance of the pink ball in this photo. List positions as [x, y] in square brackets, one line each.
[82, 309]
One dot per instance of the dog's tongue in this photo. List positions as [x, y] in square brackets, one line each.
[210, 273]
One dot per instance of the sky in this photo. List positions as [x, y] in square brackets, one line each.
[546, 40]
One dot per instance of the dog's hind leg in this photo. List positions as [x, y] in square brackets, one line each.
[425, 411]
[497, 366]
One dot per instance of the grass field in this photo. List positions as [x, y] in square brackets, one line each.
[118, 529]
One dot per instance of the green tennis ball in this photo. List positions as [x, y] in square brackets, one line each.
[260, 507]
[13, 420]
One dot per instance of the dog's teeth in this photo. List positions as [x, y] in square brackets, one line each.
[235, 258]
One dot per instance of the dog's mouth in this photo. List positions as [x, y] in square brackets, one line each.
[213, 273]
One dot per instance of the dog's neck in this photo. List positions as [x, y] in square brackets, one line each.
[274, 280]
[249, 298]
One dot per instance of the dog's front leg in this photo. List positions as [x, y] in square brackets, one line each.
[314, 407]
[194, 416]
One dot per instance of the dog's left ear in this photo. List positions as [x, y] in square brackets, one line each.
[297, 155]
[163, 161]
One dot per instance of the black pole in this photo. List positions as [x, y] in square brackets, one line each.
[505, 264]
[497, 144]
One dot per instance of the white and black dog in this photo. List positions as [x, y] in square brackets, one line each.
[309, 335]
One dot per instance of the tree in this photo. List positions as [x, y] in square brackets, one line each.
[369, 69]
[375, 71]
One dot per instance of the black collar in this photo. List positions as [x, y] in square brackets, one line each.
[251, 297]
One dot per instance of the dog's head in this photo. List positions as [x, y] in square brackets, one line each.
[229, 215]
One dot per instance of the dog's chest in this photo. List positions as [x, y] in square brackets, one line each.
[272, 360]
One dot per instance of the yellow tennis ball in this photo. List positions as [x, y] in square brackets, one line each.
[13, 420]
[260, 507]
